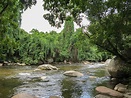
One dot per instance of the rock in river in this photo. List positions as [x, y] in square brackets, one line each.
[73, 73]
[23, 95]
[47, 67]
[120, 88]
[54, 97]
[44, 79]
[117, 68]
[108, 91]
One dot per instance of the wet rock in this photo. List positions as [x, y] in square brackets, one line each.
[107, 62]
[23, 95]
[121, 87]
[127, 95]
[73, 73]
[108, 91]
[37, 69]
[117, 68]
[102, 96]
[113, 79]
[47, 67]
[54, 97]
[24, 74]
[44, 79]
[1, 64]
[20, 64]
[86, 62]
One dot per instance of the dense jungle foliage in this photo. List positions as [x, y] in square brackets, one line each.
[110, 22]
[109, 31]
[40, 47]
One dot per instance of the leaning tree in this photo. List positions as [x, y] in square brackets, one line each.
[10, 20]
[110, 22]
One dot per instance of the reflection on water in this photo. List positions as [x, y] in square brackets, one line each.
[14, 80]
[7, 87]
[70, 89]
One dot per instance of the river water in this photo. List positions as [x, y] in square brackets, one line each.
[23, 79]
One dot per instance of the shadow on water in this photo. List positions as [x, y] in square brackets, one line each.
[70, 89]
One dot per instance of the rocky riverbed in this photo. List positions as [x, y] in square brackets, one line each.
[47, 83]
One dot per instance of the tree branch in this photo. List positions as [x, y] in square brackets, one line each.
[105, 48]
[115, 51]
[1, 12]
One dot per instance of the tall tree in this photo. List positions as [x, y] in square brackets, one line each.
[10, 20]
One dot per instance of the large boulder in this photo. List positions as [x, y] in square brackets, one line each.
[47, 67]
[118, 68]
[73, 73]
[107, 91]
[23, 95]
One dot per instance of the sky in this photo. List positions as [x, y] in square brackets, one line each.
[33, 19]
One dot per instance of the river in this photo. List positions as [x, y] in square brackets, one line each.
[23, 79]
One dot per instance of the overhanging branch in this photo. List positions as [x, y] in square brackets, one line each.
[1, 12]
[116, 51]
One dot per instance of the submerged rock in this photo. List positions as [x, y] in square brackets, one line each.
[108, 91]
[86, 62]
[23, 95]
[54, 97]
[73, 73]
[47, 67]
[44, 79]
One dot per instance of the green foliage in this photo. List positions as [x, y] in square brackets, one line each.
[110, 21]
[9, 15]
[38, 47]
[10, 20]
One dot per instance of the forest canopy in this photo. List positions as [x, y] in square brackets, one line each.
[109, 28]
[110, 21]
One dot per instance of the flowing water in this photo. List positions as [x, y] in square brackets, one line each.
[23, 79]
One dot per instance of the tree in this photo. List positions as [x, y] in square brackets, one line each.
[67, 44]
[10, 20]
[110, 21]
